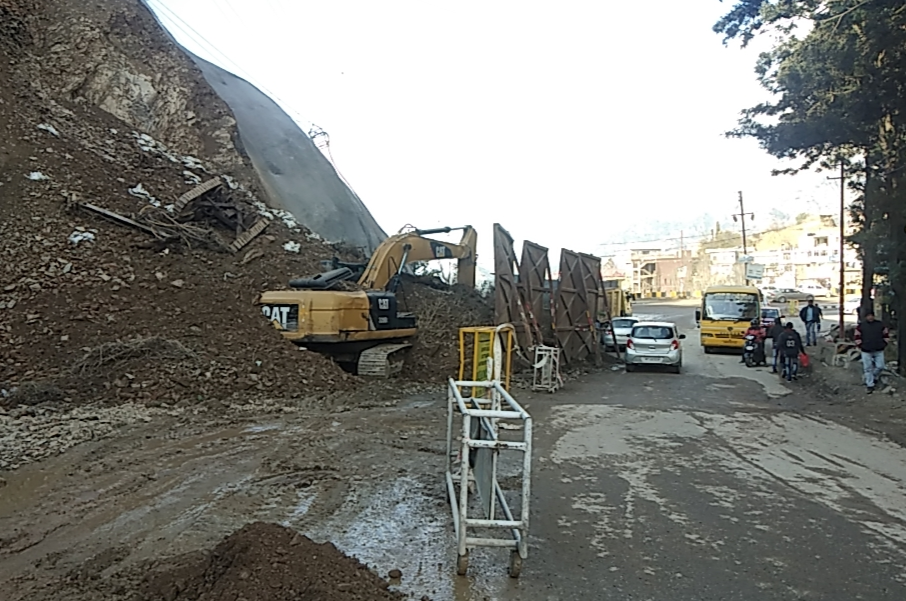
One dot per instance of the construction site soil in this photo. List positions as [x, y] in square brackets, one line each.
[90, 310]
[262, 562]
[114, 343]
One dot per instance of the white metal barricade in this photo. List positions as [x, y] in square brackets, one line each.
[547, 369]
[477, 462]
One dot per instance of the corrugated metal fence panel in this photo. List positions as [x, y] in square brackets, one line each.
[507, 301]
[537, 291]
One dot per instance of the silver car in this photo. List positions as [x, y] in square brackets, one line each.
[654, 343]
[617, 332]
[787, 294]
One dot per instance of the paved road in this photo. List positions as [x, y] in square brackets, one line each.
[653, 486]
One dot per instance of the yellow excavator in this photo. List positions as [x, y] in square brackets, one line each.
[364, 330]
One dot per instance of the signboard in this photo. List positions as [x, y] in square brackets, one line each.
[754, 271]
[745, 259]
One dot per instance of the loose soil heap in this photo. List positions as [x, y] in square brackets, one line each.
[267, 562]
[441, 311]
[108, 317]
[91, 310]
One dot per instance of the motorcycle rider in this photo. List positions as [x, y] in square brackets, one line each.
[756, 330]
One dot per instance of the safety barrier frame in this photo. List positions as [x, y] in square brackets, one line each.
[479, 433]
[546, 369]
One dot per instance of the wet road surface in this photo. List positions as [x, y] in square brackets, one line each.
[648, 486]
[656, 486]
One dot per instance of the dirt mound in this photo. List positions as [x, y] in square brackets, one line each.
[94, 310]
[267, 562]
[441, 310]
[82, 297]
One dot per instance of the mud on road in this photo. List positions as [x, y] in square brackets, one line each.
[650, 485]
[173, 486]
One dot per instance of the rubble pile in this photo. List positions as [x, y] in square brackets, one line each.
[267, 562]
[32, 433]
[74, 283]
[116, 286]
[441, 311]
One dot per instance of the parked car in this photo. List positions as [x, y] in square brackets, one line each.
[620, 329]
[769, 316]
[815, 290]
[768, 291]
[852, 304]
[654, 343]
[787, 294]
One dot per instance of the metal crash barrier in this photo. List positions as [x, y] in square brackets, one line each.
[473, 460]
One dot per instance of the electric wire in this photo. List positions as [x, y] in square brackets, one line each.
[198, 38]
[691, 237]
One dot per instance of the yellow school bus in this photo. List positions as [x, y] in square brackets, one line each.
[725, 315]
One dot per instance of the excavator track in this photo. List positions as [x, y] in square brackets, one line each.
[380, 362]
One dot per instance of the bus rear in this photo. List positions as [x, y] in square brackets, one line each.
[725, 315]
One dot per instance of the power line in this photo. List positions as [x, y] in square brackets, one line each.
[679, 238]
[178, 22]
[197, 38]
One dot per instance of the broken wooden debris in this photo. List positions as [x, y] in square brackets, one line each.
[244, 238]
[196, 192]
[118, 218]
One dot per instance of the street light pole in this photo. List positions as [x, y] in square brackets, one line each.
[842, 331]
[742, 216]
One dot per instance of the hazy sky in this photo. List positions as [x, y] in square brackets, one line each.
[563, 121]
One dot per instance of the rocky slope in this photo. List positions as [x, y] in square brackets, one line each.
[87, 308]
[98, 106]
[113, 55]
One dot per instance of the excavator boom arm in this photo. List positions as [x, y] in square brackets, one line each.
[399, 250]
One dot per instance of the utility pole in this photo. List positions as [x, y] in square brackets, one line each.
[742, 216]
[841, 333]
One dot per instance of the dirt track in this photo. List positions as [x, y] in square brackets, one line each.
[166, 488]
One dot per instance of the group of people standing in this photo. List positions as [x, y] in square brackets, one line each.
[871, 338]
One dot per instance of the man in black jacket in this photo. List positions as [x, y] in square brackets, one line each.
[811, 316]
[790, 343]
[872, 337]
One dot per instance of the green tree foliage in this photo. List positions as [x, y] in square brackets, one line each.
[838, 93]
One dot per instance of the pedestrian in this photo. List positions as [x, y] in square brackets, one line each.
[790, 343]
[872, 338]
[775, 332]
[811, 317]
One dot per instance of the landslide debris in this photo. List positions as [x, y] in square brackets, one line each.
[441, 310]
[267, 562]
[99, 106]
[93, 310]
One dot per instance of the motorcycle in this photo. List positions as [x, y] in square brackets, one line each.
[753, 351]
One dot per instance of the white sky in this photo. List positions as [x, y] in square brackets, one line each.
[561, 121]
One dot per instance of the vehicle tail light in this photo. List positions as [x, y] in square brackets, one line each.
[675, 345]
[629, 343]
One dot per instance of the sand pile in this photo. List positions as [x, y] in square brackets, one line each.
[267, 562]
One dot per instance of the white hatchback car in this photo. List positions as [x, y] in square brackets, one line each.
[617, 332]
[654, 343]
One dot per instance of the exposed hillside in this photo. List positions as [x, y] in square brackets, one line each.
[94, 310]
[294, 172]
[113, 55]
[90, 309]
